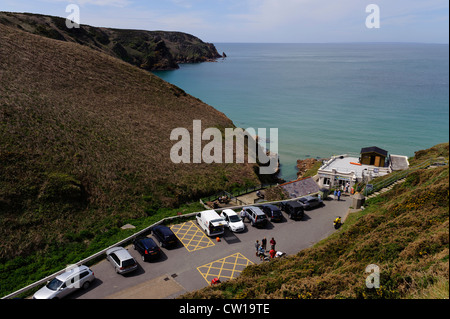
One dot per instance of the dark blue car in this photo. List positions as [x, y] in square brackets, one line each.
[147, 248]
[273, 212]
[165, 236]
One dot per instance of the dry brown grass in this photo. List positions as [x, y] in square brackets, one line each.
[97, 127]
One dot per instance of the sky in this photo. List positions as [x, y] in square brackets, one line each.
[262, 21]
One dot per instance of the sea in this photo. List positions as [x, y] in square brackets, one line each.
[328, 99]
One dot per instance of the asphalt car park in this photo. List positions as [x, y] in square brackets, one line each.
[196, 259]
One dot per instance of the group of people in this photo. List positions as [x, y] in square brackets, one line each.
[261, 248]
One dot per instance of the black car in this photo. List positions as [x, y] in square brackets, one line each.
[147, 248]
[273, 212]
[165, 236]
[293, 209]
[310, 202]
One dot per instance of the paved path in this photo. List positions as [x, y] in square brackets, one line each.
[181, 270]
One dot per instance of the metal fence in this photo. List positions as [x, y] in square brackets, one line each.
[239, 192]
[395, 176]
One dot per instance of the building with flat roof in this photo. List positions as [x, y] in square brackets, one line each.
[343, 169]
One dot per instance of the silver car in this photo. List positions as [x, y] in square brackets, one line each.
[121, 259]
[66, 283]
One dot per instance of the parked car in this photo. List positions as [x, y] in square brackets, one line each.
[272, 212]
[310, 202]
[210, 222]
[121, 260]
[293, 209]
[66, 283]
[234, 222]
[256, 216]
[165, 236]
[147, 248]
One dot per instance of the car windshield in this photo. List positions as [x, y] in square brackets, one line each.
[234, 218]
[303, 200]
[54, 284]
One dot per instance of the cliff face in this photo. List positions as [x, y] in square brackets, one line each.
[149, 50]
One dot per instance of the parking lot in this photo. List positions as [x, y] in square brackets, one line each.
[198, 259]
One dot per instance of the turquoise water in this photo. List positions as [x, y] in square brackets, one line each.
[329, 99]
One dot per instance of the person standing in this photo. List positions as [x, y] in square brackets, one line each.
[272, 243]
[243, 215]
[257, 247]
[335, 194]
[264, 243]
[339, 195]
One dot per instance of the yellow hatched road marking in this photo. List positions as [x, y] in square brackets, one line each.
[237, 261]
[192, 237]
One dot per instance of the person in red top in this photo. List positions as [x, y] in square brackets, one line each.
[272, 253]
[272, 243]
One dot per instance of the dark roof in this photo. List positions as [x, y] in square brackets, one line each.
[374, 149]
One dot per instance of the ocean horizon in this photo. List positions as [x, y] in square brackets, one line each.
[328, 98]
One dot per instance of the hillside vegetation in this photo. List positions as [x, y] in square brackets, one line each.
[85, 145]
[405, 232]
[149, 50]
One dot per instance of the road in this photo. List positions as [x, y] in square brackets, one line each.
[181, 270]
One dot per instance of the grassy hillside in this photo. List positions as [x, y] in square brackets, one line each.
[85, 145]
[150, 50]
[404, 231]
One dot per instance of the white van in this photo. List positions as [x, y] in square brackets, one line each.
[211, 222]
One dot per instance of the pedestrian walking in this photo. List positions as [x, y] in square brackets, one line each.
[335, 194]
[339, 195]
[272, 243]
[264, 243]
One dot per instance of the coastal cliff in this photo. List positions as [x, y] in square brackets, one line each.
[149, 50]
[84, 148]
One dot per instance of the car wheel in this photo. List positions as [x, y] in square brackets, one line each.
[86, 285]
